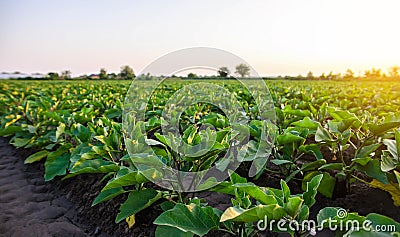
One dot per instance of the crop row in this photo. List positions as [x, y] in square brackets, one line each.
[323, 137]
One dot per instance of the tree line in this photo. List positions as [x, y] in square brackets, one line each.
[241, 70]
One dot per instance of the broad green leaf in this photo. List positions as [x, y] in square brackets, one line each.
[82, 133]
[362, 161]
[382, 128]
[60, 130]
[303, 214]
[126, 177]
[306, 123]
[281, 162]
[381, 220]
[57, 162]
[21, 142]
[288, 137]
[190, 218]
[331, 166]
[392, 147]
[93, 166]
[285, 191]
[107, 195]
[56, 166]
[10, 130]
[322, 135]
[312, 148]
[293, 206]
[327, 183]
[36, 157]
[238, 214]
[311, 190]
[255, 192]
[137, 201]
[313, 165]
[388, 162]
[373, 170]
[367, 150]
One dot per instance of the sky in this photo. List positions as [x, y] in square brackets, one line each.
[276, 37]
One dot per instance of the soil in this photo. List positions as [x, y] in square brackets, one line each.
[31, 207]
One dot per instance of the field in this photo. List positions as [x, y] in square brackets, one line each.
[332, 145]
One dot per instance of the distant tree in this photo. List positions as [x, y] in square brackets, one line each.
[373, 73]
[349, 74]
[243, 70]
[126, 73]
[192, 75]
[322, 76]
[53, 76]
[112, 76]
[310, 75]
[394, 72]
[65, 75]
[223, 72]
[103, 74]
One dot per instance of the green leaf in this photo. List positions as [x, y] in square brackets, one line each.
[57, 162]
[307, 123]
[341, 115]
[288, 137]
[382, 128]
[255, 192]
[60, 130]
[167, 205]
[312, 148]
[313, 165]
[311, 190]
[327, 183]
[381, 220]
[82, 133]
[392, 147]
[10, 130]
[137, 201]
[169, 231]
[367, 150]
[293, 206]
[112, 113]
[281, 162]
[388, 163]
[107, 195]
[94, 166]
[285, 191]
[303, 214]
[126, 177]
[373, 170]
[322, 135]
[20, 142]
[190, 218]
[36, 157]
[235, 178]
[362, 161]
[331, 166]
[238, 214]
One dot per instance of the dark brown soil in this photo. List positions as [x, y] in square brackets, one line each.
[31, 207]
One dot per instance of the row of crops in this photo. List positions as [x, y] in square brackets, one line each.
[327, 136]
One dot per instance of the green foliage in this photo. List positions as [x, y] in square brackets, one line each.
[321, 141]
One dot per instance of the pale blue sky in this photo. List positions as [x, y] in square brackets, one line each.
[275, 37]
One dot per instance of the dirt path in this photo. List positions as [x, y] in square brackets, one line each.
[28, 205]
